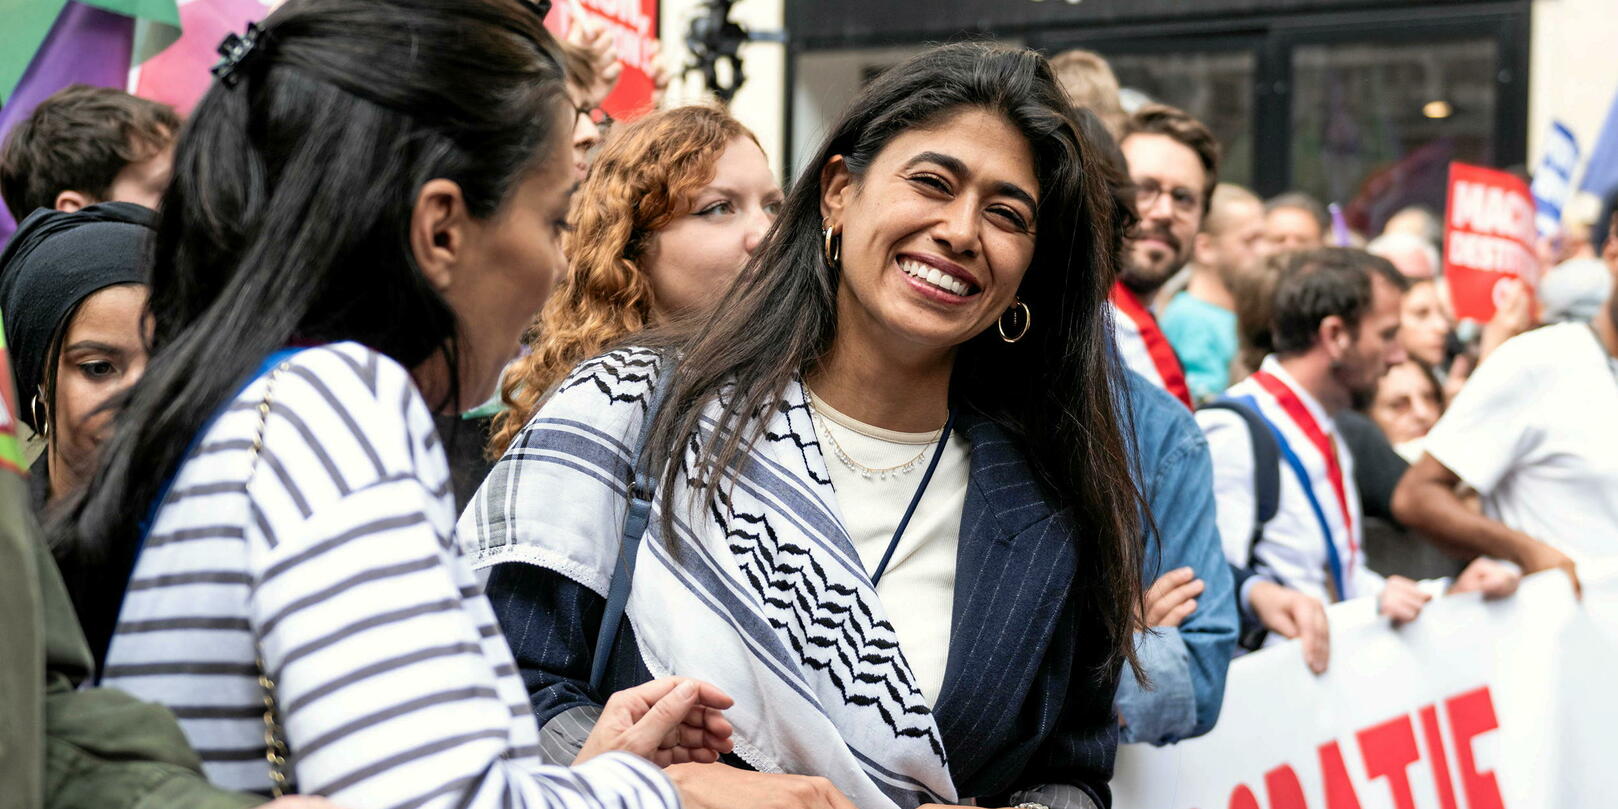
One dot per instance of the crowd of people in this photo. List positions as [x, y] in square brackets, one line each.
[413, 435]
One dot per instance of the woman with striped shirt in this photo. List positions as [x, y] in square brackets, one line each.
[366, 210]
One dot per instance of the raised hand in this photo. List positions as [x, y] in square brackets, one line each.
[597, 42]
[1512, 317]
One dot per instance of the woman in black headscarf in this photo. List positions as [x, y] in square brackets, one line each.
[73, 298]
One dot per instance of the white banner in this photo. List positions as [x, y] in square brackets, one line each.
[1477, 705]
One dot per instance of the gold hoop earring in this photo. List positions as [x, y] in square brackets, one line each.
[1027, 319]
[832, 250]
[40, 419]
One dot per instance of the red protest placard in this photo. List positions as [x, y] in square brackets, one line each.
[1488, 238]
[633, 25]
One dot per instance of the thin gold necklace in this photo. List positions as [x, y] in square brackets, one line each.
[868, 472]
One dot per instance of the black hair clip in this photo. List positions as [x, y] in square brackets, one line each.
[540, 7]
[237, 51]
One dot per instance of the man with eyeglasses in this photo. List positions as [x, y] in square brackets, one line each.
[1174, 163]
[591, 63]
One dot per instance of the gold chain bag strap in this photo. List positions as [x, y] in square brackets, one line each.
[275, 745]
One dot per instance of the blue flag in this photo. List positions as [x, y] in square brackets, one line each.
[1601, 177]
[1553, 179]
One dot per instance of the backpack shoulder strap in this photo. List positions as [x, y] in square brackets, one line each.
[1266, 496]
[641, 491]
[1266, 460]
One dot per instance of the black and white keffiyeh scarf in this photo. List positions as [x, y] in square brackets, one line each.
[763, 596]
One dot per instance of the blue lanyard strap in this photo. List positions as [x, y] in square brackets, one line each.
[1333, 562]
[915, 499]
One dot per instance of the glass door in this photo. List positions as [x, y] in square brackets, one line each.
[1365, 108]
[1215, 85]
[1374, 126]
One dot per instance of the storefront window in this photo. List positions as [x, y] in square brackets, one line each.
[1375, 126]
[1214, 86]
[1364, 108]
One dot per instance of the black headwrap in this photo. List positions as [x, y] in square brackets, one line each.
[54, 261]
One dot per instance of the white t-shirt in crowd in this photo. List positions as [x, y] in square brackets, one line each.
[1535, 432]
[918, 586]
[1293, 550]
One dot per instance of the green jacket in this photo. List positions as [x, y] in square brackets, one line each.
[62, 746]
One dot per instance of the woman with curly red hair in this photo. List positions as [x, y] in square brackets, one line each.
[674, 205]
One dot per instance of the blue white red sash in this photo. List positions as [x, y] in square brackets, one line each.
[1300, 416]
[1153, 345]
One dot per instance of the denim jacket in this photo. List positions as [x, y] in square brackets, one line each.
[1186, 664]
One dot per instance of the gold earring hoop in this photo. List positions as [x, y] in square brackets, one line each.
[1027, 319]
[40, 419]
[832, 250]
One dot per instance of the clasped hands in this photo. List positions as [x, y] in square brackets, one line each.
[677, 723]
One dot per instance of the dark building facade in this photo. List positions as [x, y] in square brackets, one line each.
[1360, 102]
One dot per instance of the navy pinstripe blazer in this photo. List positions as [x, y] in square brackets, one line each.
[1026, 700]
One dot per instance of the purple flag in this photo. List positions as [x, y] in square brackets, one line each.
[1339, 227]
[86, 46]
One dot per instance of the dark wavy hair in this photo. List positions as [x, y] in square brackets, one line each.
[1179, 125]
[287, 220]
[79, 139]
[1053, 391]
[1320, 283]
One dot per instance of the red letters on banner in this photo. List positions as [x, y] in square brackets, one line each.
[1388, 749]
[1435, 754]
[1488, 237]
[1284, 790]
[1470, 715]
[1339, 789]
[1242, 798]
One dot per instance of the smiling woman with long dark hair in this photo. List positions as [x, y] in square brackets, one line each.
[894, 505]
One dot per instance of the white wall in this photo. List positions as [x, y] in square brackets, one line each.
[761, 102]
[827, 81]
[1573, 73]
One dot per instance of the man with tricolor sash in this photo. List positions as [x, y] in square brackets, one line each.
[1335, 328]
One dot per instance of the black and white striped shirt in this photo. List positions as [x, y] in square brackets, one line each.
[394, 683]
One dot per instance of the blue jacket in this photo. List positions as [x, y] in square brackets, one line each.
[1186, 665]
